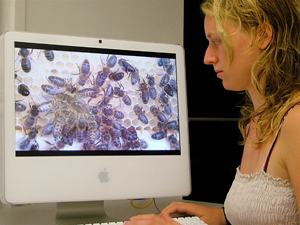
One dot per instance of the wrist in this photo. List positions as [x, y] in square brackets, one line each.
[226, 220]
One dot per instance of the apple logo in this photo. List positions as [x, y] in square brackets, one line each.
[103, 176]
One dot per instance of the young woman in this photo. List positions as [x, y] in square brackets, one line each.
[254, 46]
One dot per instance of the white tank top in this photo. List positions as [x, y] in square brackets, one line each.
[261, 199]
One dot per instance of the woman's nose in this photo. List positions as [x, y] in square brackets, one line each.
[210, 58]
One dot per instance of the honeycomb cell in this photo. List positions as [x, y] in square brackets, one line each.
[148, 65]
[131, 116]
[143, 71]
[153, 122]
[60, 65]
[70, 66]
[140, 64]
[64, 73]
[127, 122]
[54, 72]
[148, 129]
[64, 57]
[28, 80]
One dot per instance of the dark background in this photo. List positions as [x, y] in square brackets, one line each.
[213, 112]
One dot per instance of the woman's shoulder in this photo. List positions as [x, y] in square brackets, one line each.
[290, 135]
[293, 115]
[291, 122]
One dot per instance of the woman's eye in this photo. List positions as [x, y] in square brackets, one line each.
[216, 43]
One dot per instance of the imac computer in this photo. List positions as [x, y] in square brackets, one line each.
[87, 119]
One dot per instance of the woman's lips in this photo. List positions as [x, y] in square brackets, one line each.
[219, 72]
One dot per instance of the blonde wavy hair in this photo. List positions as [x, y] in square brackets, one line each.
[276, 73]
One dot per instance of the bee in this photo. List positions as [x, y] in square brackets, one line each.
[159, 62]
[107, 111]
[133, 132]
[84, 72]
[57, 81]
[172, 125]
[49, 54]
[116, 76]
[168, 109]
[118, 115]
[121, 93]
[111, 61]
[79, 106]
[23, 89]
[81, 129]
[87, 92]
[92, 130]
[27, 142]
[127, 135]
[105, 72]
[144, 144]
[169, 90]
[151, 88]
[135, 76]
[48, 129]
[166, 63]
[160, 116]
[126, 66]
[103, 147]
[158, 135]
[45, 106]
[32, 116]
[173, 84]
[58, 126]
[170, 70]
[163, 99]
[174, 143]
[108, 94]
[105, 137]
[25, 59]
[69, 86]
[140, 114]
[51, 90]
[19, 107]
[144, 92]
[164, 80]
[101, 78]
[115, 136]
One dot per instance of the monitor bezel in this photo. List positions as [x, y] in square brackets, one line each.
[47, 179]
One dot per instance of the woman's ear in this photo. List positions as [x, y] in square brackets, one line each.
[265, 35]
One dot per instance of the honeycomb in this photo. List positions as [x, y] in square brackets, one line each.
[69, 66]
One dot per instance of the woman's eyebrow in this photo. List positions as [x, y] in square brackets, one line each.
[210, 36]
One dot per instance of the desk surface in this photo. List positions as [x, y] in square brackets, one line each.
[45, 213]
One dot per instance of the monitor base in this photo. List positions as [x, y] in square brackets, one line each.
[70, 213]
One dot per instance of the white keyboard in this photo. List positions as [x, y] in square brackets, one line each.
[194, 220]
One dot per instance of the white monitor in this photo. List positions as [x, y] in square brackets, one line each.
[86, 119]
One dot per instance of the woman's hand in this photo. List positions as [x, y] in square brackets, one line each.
[150, 219]
[211, 216]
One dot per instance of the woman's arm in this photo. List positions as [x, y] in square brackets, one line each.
[290, 136]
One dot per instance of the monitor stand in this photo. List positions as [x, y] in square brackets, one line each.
[70, 213]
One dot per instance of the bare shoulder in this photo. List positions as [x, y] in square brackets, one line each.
[292, 121]
[290, 138]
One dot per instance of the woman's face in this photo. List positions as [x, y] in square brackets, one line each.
[237, 75]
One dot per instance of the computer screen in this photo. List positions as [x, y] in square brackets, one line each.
[86, 119]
